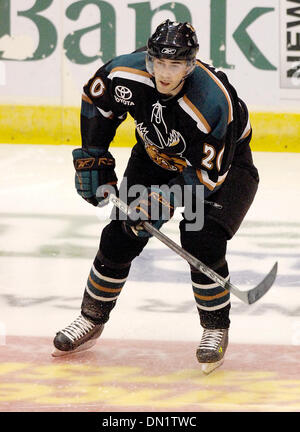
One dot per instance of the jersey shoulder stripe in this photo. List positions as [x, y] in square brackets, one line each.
[134, 60]
[209, 96]
[222, 88]
[131, 67]
[194, 112]
[131, 74]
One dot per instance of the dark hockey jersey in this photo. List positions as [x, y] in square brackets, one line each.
[195, 132]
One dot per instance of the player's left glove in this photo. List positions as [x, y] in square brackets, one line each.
[94, 167]
[154, 206]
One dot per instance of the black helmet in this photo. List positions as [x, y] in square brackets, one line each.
[174, 41]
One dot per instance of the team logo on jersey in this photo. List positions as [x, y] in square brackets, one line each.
[123, 94]
[165, 147]
[166, 139]
[171, 163]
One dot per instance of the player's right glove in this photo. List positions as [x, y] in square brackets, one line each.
[154, 206]
[94, 167]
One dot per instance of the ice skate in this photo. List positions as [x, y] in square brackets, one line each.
[80, 335]
[212, 348]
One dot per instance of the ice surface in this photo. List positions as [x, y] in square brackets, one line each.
[49, 237]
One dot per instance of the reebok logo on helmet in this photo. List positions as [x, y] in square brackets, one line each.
[169, 51]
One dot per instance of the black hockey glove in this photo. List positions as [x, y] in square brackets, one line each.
[94, 167]
[154, 206]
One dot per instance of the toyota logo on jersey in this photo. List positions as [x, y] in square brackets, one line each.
[123, 92]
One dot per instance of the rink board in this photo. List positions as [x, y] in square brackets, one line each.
[274, 131]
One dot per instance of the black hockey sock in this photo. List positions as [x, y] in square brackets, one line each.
[213, 302]
[103, 288]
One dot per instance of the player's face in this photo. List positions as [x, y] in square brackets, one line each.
[169, 74]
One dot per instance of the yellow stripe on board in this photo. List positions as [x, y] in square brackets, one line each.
[276, 132]
[39, 125]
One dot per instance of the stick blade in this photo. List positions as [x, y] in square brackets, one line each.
[263, 287]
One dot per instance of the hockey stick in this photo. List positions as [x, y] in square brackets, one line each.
[249, 296]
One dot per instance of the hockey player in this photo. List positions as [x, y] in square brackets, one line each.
[191, 129]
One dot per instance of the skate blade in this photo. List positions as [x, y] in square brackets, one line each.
[207, 368]
[87, 345]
